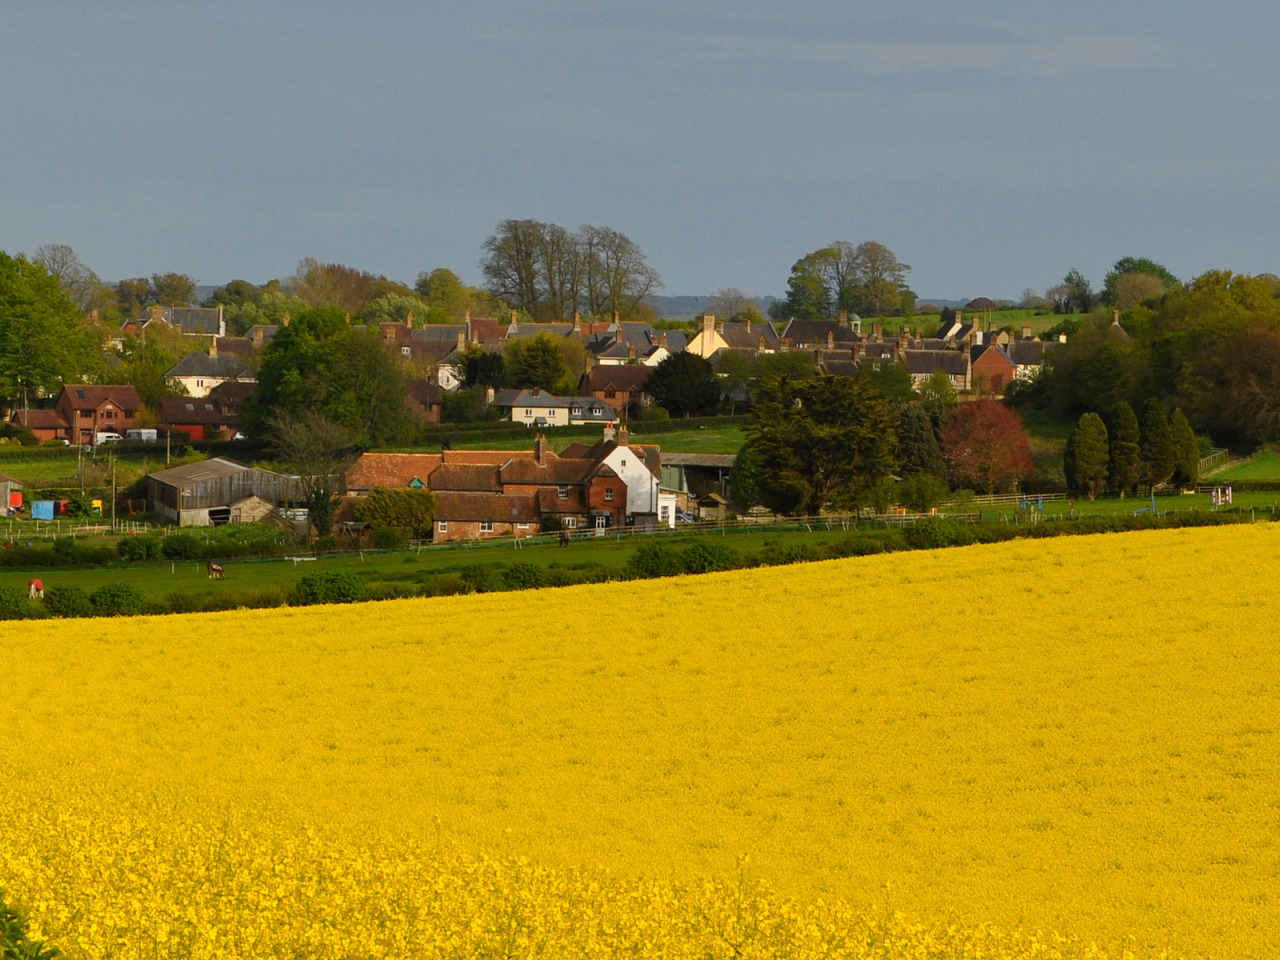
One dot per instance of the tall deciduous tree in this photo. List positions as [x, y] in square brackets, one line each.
[1085, 458]
[42, 340]
[1159, 457]
[866, 279]
[320, 363]
[985, 447]
[549, 272]
[1125, 453]
[820, 443]
[1135, 267]
[319, 452]
[1079, 291]
[537, 361]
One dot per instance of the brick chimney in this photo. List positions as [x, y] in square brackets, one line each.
[609, 432]
[708, 323]
[213, 347]
[540, 449]
[831, 339]
[622, 435]
[466, 315]
[462, 340]
[513, 317]
[1026, 331]
[631, 352]
[577, 322]
[877, 332]
[662, 339]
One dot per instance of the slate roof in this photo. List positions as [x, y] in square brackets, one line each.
[202, 365]
[747, 336]
[192, 410]
[952, 362]
[194, 319]
[804, 333]
[232, 394]
[1028, 352]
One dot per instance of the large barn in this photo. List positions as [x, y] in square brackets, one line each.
[217, 491]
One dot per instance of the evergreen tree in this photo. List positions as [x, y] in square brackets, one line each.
[1158, 453]
[1186, 451]
[1086, 459]
[918, 447]
[1126, 450]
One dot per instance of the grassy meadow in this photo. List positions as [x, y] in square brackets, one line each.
[942, 753]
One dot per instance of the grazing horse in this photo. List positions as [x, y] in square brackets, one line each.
[215, 571]
[35, 589]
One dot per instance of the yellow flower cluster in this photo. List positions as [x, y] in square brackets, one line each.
[147, 886]
[1075, 735]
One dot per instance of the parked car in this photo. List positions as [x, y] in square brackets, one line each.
[107, 436]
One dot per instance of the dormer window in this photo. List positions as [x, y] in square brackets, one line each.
[562, 492]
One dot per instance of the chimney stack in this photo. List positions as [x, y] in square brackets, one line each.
[631, 351]
[831, 339]
[577, 322]
[213, 347]
[622, 435]
[540, 449]
[662, 339]
[462, 340]
[1115, 317]
[513, 318]
[609, 432]
[1026, 331]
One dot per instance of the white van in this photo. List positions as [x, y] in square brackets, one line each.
[107, 436]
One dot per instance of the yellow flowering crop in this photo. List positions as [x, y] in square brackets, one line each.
[1074, 735]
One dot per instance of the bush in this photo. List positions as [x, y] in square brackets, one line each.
[389, 538]
[481, 578]
[656, 560]
[181, 546]
[68, 602]
[930, 532]
[523, 576]
[708, 557]
[116, 600]
[14, 604]
[133, 549]
[328, 588]
[922, 491]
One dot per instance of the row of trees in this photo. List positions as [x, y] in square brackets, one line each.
[1210, 347]
[836, 442]
[1131, 281]
[549, 272]
[840, 278]
[1120, 456]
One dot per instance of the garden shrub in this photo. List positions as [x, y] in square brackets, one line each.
[68, 602]
[14, 604]
[181, 546]
[116, 600]
[708, 557]
[656, 560]
[133, 549]
[389, 538]
[328, 588]
[928, 533]
[523, 576]
[482, 578]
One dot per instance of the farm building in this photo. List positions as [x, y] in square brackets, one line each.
[217, 491]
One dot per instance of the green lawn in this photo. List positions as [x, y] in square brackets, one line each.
[1263, 466]
[719, 439]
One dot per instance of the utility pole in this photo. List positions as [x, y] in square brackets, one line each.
[113, 491]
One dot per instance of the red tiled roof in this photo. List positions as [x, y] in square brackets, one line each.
[474, 477]
[464, 506]
[40, 419]
[395, 470]
[88, 395]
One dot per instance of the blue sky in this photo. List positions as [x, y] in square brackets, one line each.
[991, 145]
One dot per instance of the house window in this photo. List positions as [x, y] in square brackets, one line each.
[528, 412]
[486, 526]
[569, 523]
[562, 492]
[608, 493]
[443, 526]
[107, 414]
[522, 526]
[610, 393]
[406, 351]
[199, 382]
[576, 411]
[664, 512]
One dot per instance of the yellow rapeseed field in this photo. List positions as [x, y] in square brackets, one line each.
[918, 755]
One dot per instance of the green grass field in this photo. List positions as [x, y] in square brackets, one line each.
[1263, 466]
[719, 439]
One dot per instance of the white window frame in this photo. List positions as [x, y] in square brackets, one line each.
[486, 526]
[608, 493]
[602, 522]
[570, 523]
[442, 526]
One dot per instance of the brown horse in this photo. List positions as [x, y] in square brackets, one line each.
[215, 571]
